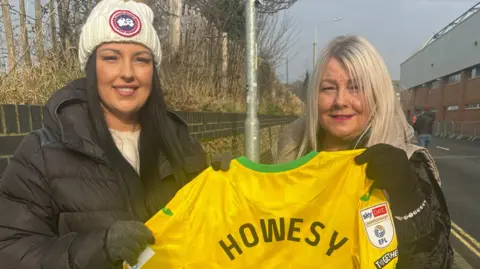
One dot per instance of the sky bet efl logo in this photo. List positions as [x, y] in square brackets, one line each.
[379, 211]
[378, 225]
[367, 215]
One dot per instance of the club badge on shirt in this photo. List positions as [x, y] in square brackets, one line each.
[378, 225]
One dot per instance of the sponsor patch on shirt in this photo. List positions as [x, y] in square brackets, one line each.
[378, 225]
[386, 259]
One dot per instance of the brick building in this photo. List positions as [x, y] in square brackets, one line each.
[445, 73]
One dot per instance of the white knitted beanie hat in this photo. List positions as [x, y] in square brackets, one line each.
[119, 21]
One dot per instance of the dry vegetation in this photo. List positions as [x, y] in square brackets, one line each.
[34, 85]
[235, 145]
[203, 67]
[203, 56]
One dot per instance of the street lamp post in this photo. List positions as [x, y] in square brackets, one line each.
[252, 125]
[287, 61]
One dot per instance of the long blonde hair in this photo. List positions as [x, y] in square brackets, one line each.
[387, 123]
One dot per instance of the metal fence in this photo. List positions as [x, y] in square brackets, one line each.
[469, 130]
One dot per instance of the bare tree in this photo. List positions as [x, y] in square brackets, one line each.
[62, 21]
[66, 28]
[8, 33]
[24, 33]
[276, 34]
[274, 6]
[3, 65]
[227, 16]
[203, 41]
[77, 21]
[53, 28]
[39, 30]
[89, 6]
[174, 25]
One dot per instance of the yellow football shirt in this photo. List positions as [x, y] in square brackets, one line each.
[318, 211]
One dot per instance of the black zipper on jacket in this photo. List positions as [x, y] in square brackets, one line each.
[104, 160]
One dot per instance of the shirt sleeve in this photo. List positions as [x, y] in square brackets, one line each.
[376, 245]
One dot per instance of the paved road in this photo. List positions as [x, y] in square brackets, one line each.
[459, 164]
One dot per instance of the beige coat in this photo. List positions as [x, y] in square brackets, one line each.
[288, 145]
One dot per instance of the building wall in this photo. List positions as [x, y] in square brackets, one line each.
[452, 115]
[451, 100]
[445, 74]
[471, 121]
[434, 98]
[452, 94]
[472, 93]
[457, 49]
[471, 115]
[407, 99]
[421, 97]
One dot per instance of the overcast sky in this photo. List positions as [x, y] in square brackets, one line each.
[397, 28]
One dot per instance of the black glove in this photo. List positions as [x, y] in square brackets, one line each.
[126, 240]
[391, 170]
[221, 161]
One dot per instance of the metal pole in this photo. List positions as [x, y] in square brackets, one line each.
[287, 60]
[315, 40]
[252, 132]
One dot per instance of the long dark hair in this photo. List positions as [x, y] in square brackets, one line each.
[157, 137]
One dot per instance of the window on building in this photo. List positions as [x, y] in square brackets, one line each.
[453, 78]
[473, 106]
[452, 108]
[475, 72]
[436, 84]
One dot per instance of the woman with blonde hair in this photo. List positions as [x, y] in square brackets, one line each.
[351, 104]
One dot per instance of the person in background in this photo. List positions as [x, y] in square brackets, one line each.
[408, 117]
[424, 127]
[351, 104]
[111, 155]
[414, 117]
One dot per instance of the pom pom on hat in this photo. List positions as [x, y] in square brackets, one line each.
[119, 21]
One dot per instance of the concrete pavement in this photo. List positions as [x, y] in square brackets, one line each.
[458, 162]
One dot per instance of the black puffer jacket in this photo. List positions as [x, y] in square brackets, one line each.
[59, 194]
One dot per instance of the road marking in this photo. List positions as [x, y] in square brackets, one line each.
[442, 148]
[464, 241]
[473, 250]
[465, 234]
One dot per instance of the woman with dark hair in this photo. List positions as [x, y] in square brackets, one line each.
[110, 155]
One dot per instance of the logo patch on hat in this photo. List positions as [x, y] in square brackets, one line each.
[125, 23]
